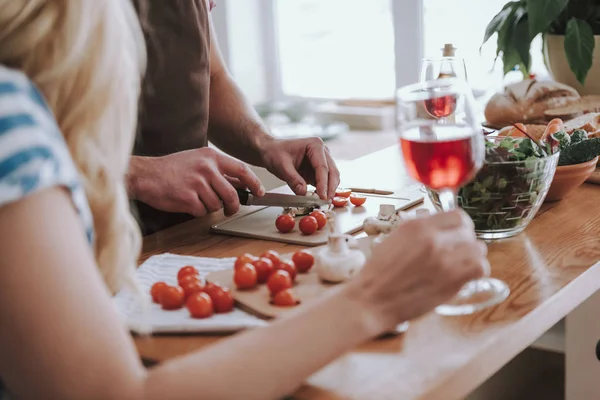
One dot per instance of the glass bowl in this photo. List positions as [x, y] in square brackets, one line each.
[504, 196]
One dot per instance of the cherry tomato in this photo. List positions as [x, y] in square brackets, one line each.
[339, 201]
[245, 277]
[264, 268]
[222, 300]
[156, 289]
[308, 225]
[199, 305]
[210, 288]
[273, 256]
[303, 260]
[171, 297]
[285, 298]
[320, 217]
[289, 267]
[185, 271]
[278, 281]
[285, 223]
[343, 193]
[189, 279]
[357, 199]
[245, 258]
[191, 287]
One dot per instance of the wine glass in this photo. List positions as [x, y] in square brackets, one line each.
[439, 68]
[444, 157]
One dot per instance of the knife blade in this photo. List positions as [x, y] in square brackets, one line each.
[280, 200]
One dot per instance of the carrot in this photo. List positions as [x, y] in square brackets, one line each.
[553, 126]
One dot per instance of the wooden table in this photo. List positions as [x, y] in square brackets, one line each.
[552, 271]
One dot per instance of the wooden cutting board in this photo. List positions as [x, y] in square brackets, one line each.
[308, 287]
[260, 224]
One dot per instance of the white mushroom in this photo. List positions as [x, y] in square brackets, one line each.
[337, 262]
[385, 221]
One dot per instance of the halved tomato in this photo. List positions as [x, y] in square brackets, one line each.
[343, 192]
[339, 201]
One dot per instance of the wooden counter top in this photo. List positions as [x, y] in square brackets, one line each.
[551, 269]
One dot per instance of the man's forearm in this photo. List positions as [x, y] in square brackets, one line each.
[234, 125]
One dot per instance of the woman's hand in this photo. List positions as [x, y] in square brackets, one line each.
[423, 263]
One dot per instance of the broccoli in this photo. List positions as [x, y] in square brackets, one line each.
[563, 138]
[579, 135]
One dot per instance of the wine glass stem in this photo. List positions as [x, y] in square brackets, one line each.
[448, 199]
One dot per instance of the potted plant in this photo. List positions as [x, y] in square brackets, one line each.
[571, 34]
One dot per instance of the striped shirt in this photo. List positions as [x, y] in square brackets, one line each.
[33, 152]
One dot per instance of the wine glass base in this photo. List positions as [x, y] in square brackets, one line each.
[475, 296]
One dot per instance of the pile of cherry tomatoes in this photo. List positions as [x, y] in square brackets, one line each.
[201, 300]
[278, 274]
[316, 220]
[308, 224]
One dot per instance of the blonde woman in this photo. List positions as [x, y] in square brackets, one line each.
[69, 79]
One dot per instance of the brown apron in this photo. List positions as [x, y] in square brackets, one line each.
[175, 94]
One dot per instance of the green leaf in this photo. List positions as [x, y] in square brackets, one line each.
[505, 36]
[498, 21]
[542, 13]
[522, 42]
[579, 47]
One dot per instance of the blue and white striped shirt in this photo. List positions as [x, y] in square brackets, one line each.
[33, 152]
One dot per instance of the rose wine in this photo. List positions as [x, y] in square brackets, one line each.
[440, 160]
[441, 107]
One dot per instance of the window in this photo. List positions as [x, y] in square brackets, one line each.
[364, 49]
[335, 48]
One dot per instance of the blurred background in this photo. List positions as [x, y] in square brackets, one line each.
[330, 67]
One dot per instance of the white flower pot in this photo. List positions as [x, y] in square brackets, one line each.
[558, 66]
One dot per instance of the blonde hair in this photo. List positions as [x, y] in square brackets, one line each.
[87, 58]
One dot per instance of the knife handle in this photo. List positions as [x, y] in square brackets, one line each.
[244, 196]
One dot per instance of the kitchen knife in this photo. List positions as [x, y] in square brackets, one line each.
[280, 200]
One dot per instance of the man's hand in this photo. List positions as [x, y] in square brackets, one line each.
[300, 162]
[195, 182]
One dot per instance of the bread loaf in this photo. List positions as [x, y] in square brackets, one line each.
[587, 104]
[527, 101]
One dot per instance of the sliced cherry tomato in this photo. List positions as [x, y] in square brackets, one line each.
[245, 258]
[278, 281]
[339, 201]
[156, 289]
[285, 223]
[186, 271]
[222, 300]
[191, 287]
[171, 297]
[273, 256]
[308, 225]
[285, 298]
[343, 193]
[357, 199]
[320, 217]
[303, 260]
[264, 268]
[199, 305]
[244, 277]
[289, 267]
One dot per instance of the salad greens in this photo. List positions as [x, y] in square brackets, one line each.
[509, 188]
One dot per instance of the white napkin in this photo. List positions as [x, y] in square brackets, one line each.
[164, 267]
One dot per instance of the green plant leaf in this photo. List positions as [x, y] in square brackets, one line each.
[510, 58]
[542, 13]
[522, 42]
[579, 47]
[505, 34]
[498, 21]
